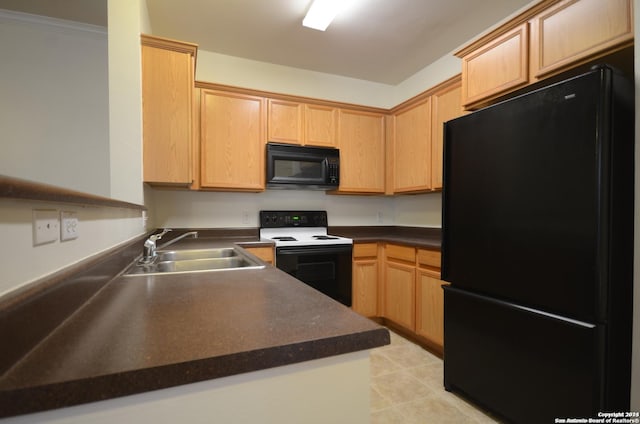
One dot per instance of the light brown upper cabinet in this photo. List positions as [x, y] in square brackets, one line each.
[445, 105]
[321, 125]
[232, 141]
[412, 148]
[497, 67]
[361, 141]
[416, 139]
[299, 123]
[573, 30]
[550, 37]
[284, 121]
[167, 111]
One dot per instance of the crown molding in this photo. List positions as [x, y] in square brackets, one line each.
[53, 23]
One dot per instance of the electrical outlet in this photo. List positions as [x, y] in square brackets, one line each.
[68, 225]
[245, 217]
[380, 217]
[46, 226]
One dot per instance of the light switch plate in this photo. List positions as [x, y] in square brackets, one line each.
[46, 226]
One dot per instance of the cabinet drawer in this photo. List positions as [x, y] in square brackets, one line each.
[430, 258]
[365, 250]
[402, 253]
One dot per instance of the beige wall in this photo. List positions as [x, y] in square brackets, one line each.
[98, 131]
[125, 98]
[230, 70]
[210, 209]
[99, 229]
[54, 105]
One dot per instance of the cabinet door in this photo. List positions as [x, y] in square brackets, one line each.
[320, 125]
[167, 95]
[365, 287]
[446, 104]
[574, 30]
[496, 68]
[264, 253]
[399, 301]
[412, 149]
[362, 151]
[232, 141]
[365, 279]
[430, 306]
[284, 122]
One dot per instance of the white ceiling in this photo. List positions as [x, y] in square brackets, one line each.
[384, 41]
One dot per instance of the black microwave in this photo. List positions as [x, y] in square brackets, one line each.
[301, 167]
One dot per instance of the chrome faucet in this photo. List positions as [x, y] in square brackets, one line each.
[149, 249]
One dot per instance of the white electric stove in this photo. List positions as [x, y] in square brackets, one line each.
[305, 250]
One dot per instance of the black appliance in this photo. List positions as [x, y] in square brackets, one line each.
[538, 247]
[306, 251]
[302, 167]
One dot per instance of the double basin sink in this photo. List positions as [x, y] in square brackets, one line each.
[195, 260]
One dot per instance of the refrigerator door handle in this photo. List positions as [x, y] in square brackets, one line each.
[554, 316]
[524, 308]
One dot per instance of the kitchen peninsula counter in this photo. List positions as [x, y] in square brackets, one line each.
[143, 333]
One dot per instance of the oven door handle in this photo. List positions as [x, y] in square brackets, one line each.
[314, 250]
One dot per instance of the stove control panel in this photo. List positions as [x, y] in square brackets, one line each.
[283, 219]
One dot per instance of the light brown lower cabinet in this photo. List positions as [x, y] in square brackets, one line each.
[401, 284]
[365, 279]
[430, 306]
[264, 253]
[399, 300]
[429, 297]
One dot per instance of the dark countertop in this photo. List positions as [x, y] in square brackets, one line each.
[422, 237]
[143, 333]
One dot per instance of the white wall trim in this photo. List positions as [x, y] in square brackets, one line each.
[8, 16]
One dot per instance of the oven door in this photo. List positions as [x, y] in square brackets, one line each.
[326, 268]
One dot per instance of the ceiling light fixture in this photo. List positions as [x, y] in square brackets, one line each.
[322, 12]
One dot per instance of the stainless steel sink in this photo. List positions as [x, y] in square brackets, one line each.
[195, 260]
[202, 264]
[181, 255]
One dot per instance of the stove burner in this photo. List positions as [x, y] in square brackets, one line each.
[284, 238]
[325, 238]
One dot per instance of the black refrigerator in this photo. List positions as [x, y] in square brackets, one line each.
[538, 248]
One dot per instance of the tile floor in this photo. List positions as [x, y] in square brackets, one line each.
[406, 387]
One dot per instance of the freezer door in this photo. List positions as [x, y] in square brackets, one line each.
[526, 366]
